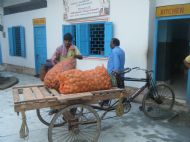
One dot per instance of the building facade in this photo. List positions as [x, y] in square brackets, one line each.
[134, 22]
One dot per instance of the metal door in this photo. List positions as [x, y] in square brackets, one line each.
[40, 47]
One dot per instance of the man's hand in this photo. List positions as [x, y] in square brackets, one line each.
[78, 57]
[115, 73]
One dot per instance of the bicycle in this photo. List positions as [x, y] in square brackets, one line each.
[157, 103]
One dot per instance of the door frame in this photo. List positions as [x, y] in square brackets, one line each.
[1, 58]
[38, 26]
[155, 48]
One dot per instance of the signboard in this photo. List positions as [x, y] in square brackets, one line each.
[39, 21]
[173, 10]
[75, 9]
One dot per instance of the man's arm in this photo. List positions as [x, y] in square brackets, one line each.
[55, 56]
[77, 54]
[116, 62]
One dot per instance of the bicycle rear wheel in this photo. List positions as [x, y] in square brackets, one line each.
[158, 105]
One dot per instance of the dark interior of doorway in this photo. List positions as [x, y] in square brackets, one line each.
[172, 47]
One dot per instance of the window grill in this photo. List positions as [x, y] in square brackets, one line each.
[16, 37]
[17, 41]
[97, 39]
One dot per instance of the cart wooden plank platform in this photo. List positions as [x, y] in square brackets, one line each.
[38, 96]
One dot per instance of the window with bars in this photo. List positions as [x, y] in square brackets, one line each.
[17, 41]
[92, 39]
[97, 39]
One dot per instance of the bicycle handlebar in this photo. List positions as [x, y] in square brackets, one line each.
[127, 70]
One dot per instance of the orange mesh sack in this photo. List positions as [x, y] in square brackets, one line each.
[75, 81]
[51, 78]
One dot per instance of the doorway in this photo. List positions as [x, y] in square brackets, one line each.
[173, 45]
[40, 47]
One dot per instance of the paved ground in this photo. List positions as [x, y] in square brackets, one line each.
[132, 127]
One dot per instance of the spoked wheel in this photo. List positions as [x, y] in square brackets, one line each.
[82, 125]
[45, 115]
[158, 102]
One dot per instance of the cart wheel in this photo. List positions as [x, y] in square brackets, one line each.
[159, 106]
[82, 125]
[45, 115]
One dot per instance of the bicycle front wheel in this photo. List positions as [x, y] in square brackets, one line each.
[158, 102]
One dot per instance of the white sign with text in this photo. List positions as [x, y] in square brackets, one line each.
[76, 9]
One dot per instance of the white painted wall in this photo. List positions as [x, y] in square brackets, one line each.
[1, 34]
[53, 14]
[150, 59]
[170, 2]
[54, 24]
[131, 24]
[131, 21]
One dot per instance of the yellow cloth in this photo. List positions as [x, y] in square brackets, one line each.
[187, 59]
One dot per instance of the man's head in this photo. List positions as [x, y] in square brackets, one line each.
[67, 40]
[114, 42]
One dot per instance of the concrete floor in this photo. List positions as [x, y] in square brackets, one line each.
[179, 85]
[132, 127]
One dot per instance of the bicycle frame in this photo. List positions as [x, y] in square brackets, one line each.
[134, 95]
[149, 83]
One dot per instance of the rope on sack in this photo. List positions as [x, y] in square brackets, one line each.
[24, 131]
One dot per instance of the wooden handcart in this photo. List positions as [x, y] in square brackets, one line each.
[69, 117]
